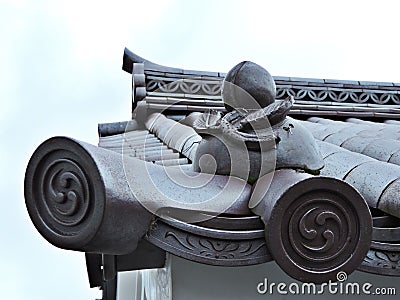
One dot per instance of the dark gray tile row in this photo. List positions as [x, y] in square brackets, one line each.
[373, 179]
[343, 113]
[281, 80]
[155, 69]
[144, 145]
[359, 132]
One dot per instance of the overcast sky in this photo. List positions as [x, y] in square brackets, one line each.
[60, 74]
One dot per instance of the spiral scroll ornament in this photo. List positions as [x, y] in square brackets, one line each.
[62, 197]
[65, 191]
[320, 232]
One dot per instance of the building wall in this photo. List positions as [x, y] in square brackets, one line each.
[183, 280]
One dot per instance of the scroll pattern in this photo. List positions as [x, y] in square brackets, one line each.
[318, 93]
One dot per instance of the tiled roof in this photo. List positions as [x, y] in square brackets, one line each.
[178, 92]
[79, 197]
[362, 152]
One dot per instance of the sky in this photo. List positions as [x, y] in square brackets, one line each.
[60, 74]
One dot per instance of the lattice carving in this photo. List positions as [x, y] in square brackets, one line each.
[186, 86]
[339, 95]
